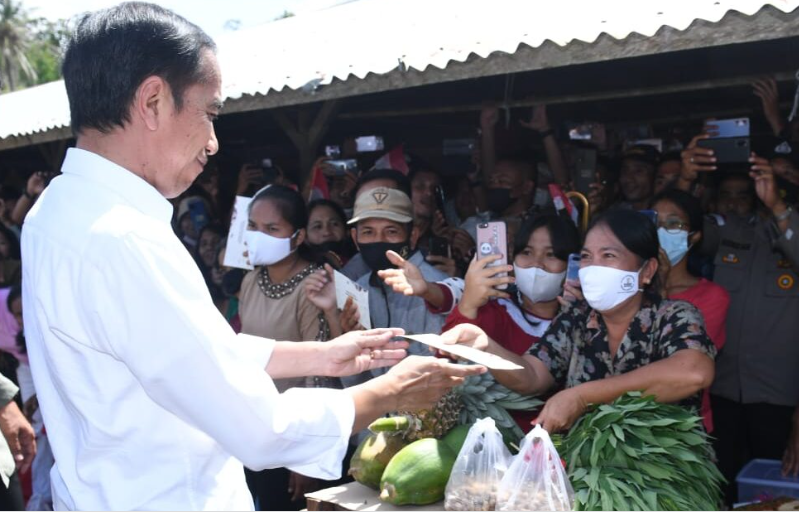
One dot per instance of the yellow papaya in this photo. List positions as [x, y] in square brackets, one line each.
[418, 474]
[372, 456]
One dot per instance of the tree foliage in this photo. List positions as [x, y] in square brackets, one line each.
[29, 47]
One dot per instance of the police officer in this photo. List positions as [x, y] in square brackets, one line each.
[756, 258]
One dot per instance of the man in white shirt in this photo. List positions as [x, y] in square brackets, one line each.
[151, 401]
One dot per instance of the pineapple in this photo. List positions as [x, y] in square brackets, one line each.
[432, 423]
[478, 397]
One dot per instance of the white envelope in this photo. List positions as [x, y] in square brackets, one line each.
[234, 252]
[346, 288]
[491, 361]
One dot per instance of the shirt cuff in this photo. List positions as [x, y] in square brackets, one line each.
[255, 348]
[446, 306]
[333, 426]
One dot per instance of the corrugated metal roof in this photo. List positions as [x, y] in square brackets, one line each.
[378, 36]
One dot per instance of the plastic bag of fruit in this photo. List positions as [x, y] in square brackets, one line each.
[536, 479]
[478, 469]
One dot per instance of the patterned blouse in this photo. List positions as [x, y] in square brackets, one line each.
[575, 348]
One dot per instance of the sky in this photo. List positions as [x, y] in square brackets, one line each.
[210, 15]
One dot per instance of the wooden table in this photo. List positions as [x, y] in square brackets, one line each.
[357, 497]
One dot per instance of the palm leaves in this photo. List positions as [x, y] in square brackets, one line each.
[15, 41]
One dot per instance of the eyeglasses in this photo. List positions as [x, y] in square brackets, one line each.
[673, 225]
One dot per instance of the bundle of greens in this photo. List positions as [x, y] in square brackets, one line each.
[638, 454]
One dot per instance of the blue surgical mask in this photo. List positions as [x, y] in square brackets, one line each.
[674, 244]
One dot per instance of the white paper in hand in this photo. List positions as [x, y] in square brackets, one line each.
[360, 296]
[491, 361]
[234, 252]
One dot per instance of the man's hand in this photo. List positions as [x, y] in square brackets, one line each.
[406, 279]
[19, 435]
[37, 182]
[765, 185]
[766, 89]
[561, 411]
[249, 175]
[359, 351]
[696, 159]
[538, 120]
[320, 288]
[418, 382]
[300, 485]
[481, 285]
[790, 460]
[468, 335]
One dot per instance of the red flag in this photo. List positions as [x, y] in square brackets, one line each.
[394, 159]
[562, 202]
[318, 185]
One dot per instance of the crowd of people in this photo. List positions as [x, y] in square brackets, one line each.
[709, 250]
[687, 276]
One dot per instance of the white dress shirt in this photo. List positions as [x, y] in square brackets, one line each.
[150, 399]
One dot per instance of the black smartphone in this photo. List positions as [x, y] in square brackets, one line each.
[440, 199]
[584, 169]
[728, 150]
[268, 171]
[438, 246]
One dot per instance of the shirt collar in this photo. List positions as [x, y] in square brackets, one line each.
[138, 192]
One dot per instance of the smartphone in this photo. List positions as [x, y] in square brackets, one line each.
[584, 169]
[333, 151]
[342, 166]
[572, 275]
[651, 214]
[198, 214]
[728, 150]
[492, 238]
[438, 194]
[268, 171]
[583, 132]
[730, 128]
[458, 147]
[438, 246]
[369, 144]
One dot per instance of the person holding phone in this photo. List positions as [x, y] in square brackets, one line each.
[622, 337]
[753, 240]
[516, 320]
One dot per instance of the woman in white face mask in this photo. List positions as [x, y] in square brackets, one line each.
[622, 338]
[680, 230]
[273, 304]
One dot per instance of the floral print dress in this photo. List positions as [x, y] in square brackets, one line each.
[576, 350]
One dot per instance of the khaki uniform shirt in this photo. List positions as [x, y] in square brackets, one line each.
[758, 266]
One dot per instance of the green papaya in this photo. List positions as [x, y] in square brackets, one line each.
[372, 456]
[418, 474]
[457, 437]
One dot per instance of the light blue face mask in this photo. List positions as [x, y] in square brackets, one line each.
[675, 244]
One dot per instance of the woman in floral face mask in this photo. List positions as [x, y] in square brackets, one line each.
[623, 337]
[680, 231]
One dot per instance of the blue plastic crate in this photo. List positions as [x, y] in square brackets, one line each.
[762, 480]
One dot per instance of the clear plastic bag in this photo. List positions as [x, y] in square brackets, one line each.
[475, 477]
[536, 480]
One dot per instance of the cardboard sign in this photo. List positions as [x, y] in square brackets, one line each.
[346, 288]
[234, 252]
[486, 359]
